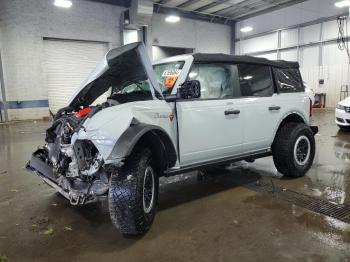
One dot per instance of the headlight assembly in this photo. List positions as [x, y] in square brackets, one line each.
[340, 107]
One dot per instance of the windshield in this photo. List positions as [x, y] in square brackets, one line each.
[167, 75]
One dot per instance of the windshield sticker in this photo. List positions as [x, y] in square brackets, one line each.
[171, 73]
[169, 81]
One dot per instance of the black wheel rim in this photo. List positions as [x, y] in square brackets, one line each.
[302, 150]
[148, 190]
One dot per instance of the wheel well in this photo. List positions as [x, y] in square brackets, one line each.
[292, 118]
[162, 148]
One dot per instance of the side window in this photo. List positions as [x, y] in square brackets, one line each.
[288, 80]
[216, 79]
[255, 80]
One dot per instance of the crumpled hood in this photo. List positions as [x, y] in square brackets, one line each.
[120, 65]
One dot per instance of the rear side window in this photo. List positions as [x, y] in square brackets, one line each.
[288, 80]
[255, 80]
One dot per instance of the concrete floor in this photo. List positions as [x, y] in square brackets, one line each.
[217, 219]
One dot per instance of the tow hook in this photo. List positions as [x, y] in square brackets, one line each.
[75, 199]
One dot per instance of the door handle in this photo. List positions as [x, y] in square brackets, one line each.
[274, 108]
[232, 112]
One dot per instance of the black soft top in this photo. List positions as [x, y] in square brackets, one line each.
[223, 58]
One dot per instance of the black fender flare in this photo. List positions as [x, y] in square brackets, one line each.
[127, 141]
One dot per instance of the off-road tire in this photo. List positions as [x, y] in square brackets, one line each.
[285, 149]
[126, 194]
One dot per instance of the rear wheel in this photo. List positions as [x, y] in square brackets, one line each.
[294, 149]
[133, 194]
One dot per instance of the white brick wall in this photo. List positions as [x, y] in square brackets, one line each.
[23, 25]
[28, 113]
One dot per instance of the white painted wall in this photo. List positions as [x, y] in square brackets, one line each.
[23, 25]
[201, 36]
[333, 68]
[293, 15]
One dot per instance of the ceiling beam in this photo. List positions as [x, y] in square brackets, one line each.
[192, 15]
[240, 5]
[271, 9]
[124, 3]
[208, 6]
[188, 3]
[162, 2]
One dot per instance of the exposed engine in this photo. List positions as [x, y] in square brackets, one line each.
[77, 166]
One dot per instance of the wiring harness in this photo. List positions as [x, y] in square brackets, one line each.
[343, 41]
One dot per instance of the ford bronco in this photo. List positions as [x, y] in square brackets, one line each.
[183, 113]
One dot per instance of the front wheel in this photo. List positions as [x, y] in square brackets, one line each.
[133, 194]
[294, 149]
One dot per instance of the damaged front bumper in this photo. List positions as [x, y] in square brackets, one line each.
[78, 192]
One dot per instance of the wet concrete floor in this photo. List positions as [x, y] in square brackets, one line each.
[217, 218]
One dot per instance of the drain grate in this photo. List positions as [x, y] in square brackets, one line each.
[337, 211]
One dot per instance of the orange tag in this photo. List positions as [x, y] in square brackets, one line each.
[170, 81]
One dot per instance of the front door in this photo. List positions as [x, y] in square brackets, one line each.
[211, 127]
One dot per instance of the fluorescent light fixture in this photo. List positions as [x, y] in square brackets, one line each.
[341, 4]
[192, 75]
[246, 29]
[172, 19]
[63, 3]
[248, 77]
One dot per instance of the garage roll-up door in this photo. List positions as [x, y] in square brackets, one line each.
[67, 65]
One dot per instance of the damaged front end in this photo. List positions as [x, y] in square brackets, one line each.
[76, 157]
[73, 167]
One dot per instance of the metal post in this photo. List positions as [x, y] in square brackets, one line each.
[298, 46]
[279, 44]
[3, 94]
[233, 38]
[320, 54]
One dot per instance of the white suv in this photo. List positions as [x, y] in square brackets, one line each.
[183, 113]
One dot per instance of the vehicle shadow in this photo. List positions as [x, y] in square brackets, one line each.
[174, 191]
[189, 187]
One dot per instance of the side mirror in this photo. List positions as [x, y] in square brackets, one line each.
[190, 89]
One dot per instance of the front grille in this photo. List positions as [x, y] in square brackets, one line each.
[348, 121]
[340, 120]
[347, 109]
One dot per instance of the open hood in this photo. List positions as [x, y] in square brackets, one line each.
[121, 65]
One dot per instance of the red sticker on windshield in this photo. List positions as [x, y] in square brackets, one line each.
[169, 81]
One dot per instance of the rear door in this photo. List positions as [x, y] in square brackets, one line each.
[211, 127]
[263, 109]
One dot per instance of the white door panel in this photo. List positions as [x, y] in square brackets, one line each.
[260, 122]
[264, 117]
[206, 133]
